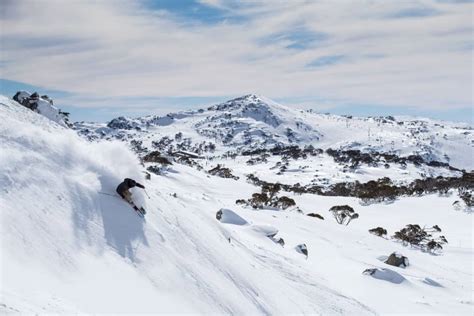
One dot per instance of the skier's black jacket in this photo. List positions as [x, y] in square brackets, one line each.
[126, 185]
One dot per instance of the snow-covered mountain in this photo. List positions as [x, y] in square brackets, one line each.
[400, 148]
[68, 246]
[252, 122]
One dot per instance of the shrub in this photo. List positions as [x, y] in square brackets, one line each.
[222, 172]
[467, 196]
[416, 236]
[155, 156]
[284, 202]
[268, 197]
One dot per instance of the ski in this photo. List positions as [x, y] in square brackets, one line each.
[140, 211]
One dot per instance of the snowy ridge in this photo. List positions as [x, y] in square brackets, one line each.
[67, 247]
[251, 122]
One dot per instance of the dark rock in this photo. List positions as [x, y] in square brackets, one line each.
[281, 242]
[301, 248]
[397, 260]
[315, 215]
[122, 123]
[379, 231]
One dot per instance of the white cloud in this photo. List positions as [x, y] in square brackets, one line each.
[121, 48]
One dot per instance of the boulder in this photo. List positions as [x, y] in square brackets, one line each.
[42, 105]
[301, 248]
[281, 242]
[47, 98]
[20, 96]
[227, 216]
[122, 122]
[397, 260]
[378, 231]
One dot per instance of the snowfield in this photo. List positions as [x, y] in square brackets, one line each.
[68, 245]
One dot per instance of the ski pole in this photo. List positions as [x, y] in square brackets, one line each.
[146, 193]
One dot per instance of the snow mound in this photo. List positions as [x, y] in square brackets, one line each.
[385, 275]
[228, 216]
[431, 282]
[51, 112]
[265, 230]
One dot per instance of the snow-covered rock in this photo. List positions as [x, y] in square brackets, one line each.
[43, 105]
[385, 275]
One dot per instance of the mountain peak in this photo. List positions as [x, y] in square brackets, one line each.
[252, 97]
[253, 100]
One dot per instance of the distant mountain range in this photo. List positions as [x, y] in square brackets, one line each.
[252, 122]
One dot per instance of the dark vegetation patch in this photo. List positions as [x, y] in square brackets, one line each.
[355, 158]
[268, 197]
[384, 189]
[422, 238]
[293, 152]
[222, 172]
[155, 156]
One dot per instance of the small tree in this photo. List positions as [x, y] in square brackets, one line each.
[343, 214]
[436, 244]
[468, 197]
[258, 200]
[271, 189]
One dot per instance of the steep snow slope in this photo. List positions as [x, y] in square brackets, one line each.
[67, 247]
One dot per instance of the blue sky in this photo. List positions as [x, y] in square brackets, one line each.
[102, 59]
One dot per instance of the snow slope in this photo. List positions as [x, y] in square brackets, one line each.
[67, 247]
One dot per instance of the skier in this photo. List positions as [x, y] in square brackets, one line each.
[123, 190]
